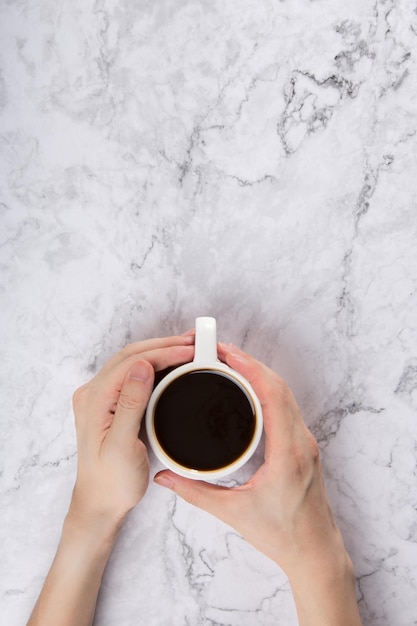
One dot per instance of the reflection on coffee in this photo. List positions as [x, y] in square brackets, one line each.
[204, 421]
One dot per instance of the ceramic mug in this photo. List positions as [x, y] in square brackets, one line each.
[204, 420]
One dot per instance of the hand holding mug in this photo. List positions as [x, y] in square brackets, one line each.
[113, 465]
[283, 510]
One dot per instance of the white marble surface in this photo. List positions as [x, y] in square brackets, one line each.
[252, 160]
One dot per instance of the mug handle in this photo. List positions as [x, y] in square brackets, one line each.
[205, 340]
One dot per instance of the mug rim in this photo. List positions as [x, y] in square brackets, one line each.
[209, 366]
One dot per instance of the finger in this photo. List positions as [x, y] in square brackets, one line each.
[104, 389]
[279, 407]
[160, 359]
[131, 405]
[140, 347]
[189, 333]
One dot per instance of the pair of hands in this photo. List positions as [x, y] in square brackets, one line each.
[283, 510]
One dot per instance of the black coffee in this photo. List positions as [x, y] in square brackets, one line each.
[204, 421]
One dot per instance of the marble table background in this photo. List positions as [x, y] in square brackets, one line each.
[251, 160]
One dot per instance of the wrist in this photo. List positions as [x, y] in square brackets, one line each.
[70, 591]
[88, 524]
[324, 592]
[321, 563]
[322, 571]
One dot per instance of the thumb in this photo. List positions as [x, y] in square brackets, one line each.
[133, 398]
[215, 499]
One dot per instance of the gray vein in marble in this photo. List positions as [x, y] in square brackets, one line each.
[408, 381]
[362, 206]
[307, 110]
[250, 183]
[377, 566]
[33, 463]
[136, 266]
[327, 426]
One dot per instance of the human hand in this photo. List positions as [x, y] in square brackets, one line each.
[113, 465]
[112, 476]
[283, 510]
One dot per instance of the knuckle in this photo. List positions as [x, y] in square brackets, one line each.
[128, 401]
[80, 396]
[301, 469]
[282, 392]
[314, 449]
[126, 351]
[305, 460]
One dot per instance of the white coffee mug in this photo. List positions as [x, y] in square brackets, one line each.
[205, 362]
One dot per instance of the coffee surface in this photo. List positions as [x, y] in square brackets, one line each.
[204, 421]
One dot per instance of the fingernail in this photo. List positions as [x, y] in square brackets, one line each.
[189, 333]
[140, 371]
[164, 481]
